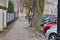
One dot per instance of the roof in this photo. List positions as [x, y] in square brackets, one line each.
[2, 7]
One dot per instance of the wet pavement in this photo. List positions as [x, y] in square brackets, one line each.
[19, 31]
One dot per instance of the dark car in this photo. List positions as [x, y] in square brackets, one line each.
[47, 18]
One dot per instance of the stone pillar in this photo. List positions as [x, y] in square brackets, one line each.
[5, 23]
[1, 20]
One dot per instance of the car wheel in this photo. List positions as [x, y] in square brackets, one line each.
[52, 37]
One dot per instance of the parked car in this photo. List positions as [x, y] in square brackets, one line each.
[48, 25]
[44, 22]
[47, 18]
[51, 33]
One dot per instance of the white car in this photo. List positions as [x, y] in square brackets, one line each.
[51, 33]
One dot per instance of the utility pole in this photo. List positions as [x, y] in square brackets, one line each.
[58, 27]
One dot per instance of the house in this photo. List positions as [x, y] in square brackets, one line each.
[3, 10]
[50, 7]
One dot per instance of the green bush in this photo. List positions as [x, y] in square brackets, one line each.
[10, 7]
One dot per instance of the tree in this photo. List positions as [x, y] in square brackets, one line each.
[28, 4]
[37, 6]
[40, 8]
[10, 7]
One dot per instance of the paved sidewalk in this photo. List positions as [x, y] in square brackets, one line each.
[19, 31]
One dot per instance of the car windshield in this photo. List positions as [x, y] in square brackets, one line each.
[44, 17]
[48, 18]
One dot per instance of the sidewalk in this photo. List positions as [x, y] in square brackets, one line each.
[19, 31]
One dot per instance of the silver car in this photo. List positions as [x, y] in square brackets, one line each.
[51, 33]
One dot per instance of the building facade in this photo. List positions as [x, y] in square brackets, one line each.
[46, 7]
[3, 12]
[50, 7]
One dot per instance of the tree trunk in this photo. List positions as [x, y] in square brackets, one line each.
[39, 16]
